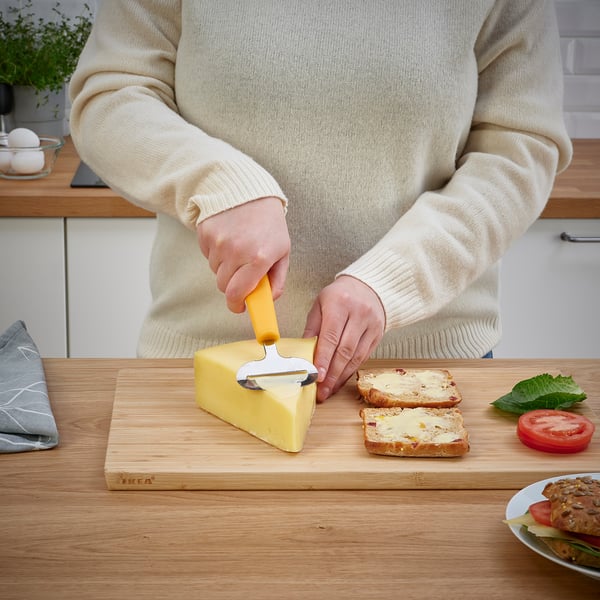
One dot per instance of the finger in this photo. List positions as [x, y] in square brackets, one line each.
[202, 243]
[362, 352]
[278, 275]
[330, 336]
[338, 363]
[223, 276]
[209, 246]
[214, 257]
[241, 283]
[313, 321]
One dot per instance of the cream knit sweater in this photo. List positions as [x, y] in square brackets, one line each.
[413, 142]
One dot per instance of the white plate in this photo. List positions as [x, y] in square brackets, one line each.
[520, 503]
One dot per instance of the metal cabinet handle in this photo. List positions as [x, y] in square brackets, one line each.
[567, 237]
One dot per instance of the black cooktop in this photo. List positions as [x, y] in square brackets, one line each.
[85, 177]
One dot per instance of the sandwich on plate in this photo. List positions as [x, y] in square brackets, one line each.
[568, 521]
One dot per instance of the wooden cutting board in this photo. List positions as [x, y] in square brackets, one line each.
[159, 439]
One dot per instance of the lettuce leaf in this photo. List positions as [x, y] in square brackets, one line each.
[543, 531]
[541, 391]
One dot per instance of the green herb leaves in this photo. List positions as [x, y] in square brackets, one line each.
[37, 52]
[541, 391]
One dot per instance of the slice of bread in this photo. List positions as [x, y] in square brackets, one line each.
[575, 504]
[574, 507]
[408, 388]
[423, 432]
[570, 553]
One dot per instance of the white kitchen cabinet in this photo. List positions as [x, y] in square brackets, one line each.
[108, 289]
[550, 293]
[32, 280]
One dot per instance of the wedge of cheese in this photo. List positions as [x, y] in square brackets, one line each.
[279, 415]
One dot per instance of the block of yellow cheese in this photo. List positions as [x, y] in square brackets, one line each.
[280, 415]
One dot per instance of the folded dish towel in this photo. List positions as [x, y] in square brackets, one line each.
[26, 419]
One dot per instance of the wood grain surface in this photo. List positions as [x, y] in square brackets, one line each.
[160, 439]
[576, 191]
[53, 196]
[65, 536]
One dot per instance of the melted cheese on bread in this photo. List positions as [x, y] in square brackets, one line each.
[415, 424]
[434, 382]
[407, 388]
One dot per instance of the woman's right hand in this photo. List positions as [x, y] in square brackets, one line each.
[244, 243]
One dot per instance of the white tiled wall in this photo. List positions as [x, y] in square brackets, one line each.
[579, 25]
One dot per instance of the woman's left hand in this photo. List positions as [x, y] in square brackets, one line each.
[349, 320]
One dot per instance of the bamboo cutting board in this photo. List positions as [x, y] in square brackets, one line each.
[159, 439]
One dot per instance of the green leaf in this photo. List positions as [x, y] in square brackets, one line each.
[37, 52]
[585, 548]
[541, 391]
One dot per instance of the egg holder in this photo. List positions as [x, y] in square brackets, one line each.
[28, 164]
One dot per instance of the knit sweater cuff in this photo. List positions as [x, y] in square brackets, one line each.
[396, 287]
[230, 184]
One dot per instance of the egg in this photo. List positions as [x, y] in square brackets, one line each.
[27, 162]
[22, 137]
[5, 159]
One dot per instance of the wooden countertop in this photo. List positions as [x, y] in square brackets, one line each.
[64, 535]
[576, 194]
[53, 196]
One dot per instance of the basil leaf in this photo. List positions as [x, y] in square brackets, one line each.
[541, 391]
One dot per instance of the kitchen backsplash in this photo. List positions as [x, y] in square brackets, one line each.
[579, 25]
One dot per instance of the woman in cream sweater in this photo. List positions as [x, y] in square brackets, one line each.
[376, 159]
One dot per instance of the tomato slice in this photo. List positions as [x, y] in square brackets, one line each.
[540, 511]
[551, 430]
[592, 540]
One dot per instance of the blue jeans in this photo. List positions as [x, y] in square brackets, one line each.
[490, 354]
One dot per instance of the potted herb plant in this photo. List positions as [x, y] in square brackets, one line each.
[37, 58]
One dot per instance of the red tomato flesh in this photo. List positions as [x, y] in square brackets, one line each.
[557, 431]
[592, 540]
[540, 511]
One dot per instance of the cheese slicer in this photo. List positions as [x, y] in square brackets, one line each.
[273, 369]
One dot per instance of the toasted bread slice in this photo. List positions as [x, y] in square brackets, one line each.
[571, 553]
[422, 431]
[408, 388]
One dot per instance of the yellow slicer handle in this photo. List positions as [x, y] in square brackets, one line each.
[261, 308]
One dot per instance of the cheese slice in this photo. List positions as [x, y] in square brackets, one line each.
[545, 531]
[416, 424]
[279, 415]
[433, 383]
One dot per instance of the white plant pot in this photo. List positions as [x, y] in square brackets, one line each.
[40, 111]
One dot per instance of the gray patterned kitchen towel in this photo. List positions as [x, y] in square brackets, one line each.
[26, 419]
